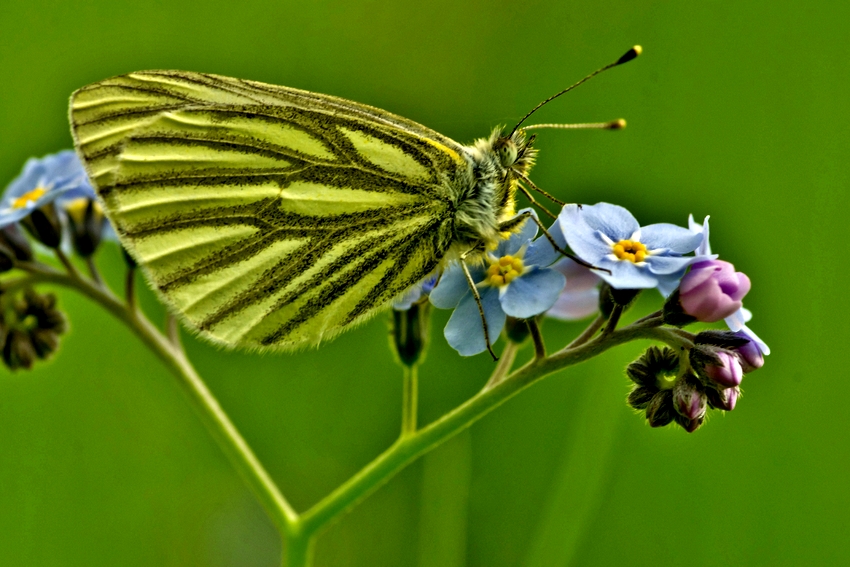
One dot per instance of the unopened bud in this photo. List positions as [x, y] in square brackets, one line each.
[516, 330]
[689, 425]
[749, 354]
[673, 314]
[44, 342]
[688, 399]
[86, 222]
[723, 399]
[19, 352]
[660, 410]
[610, 297]
[410, 333]
[712, 290]
[15, 244]
[721, 339]
[45, 225]
[729, 373]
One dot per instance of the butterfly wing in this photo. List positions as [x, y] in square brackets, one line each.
[267, 216]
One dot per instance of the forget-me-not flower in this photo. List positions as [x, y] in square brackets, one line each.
[609, 237]
[514, 280]
[42, 181]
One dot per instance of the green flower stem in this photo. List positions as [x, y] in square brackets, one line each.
[588, 333]
[537, 338]
[200, 397]
[93, 271]
[297, 549]
[407, 449]
[410, 400]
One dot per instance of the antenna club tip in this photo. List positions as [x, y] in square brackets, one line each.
[630, 54]
[618, 124]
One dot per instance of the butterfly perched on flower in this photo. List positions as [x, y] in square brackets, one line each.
[274, 217]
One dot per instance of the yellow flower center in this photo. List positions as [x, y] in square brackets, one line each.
[28, 197]
[630, 250]
[504, 270]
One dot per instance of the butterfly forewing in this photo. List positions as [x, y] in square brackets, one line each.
[267, 216]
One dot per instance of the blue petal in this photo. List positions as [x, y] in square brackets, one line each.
[532, 293]
[584, 241]
[541, 252]
[674, 238]
[666, 265]
[452, 286]
[464, 331]
[26, 181]
[626, 275]
[9, 215]
[613, 221]
[704, 248]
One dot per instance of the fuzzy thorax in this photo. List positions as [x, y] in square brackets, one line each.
[489, 200]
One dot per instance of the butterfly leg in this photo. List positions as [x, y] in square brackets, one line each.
[477, 297]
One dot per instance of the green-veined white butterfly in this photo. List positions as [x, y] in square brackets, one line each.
[274, 217]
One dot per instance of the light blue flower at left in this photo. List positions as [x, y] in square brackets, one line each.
[42, 181]
[514, 280]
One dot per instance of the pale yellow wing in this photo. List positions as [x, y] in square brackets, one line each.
[267, 216]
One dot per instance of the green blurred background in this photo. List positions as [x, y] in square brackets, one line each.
[737, 110]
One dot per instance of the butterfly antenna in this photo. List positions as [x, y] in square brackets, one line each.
[628, 56]
[618, 124]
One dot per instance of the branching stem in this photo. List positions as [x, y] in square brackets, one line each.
[300, 531]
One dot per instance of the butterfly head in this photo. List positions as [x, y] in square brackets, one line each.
[515, 151]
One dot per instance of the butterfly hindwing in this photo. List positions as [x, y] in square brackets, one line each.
[267, 216]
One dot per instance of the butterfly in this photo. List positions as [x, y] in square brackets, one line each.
[272, 217]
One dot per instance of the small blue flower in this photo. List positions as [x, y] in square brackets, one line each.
[737, 321]
[41, 182]
[513, 280]
[609, 237]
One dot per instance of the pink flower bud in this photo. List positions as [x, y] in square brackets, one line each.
[750, 355]
[712, 290]
[728, 374]
[688, 400]
[723, 399]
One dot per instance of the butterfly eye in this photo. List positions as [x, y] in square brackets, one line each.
[507, 151]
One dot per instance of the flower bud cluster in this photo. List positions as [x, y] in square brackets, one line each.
[664, 392]
[30, 327]
[670, 390]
